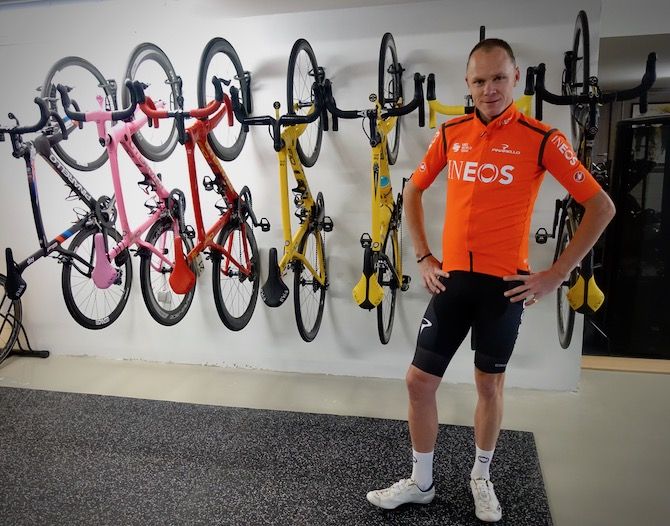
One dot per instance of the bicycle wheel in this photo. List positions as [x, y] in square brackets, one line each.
[151, 66]
[564, 313]
[82, 150]
[309, 295]
[220, 59]
[390, 89]
[235, 294]
[165, 306]
[302, 73]
[387, 280]
[10, 320]
[578, 74]
[90, 306]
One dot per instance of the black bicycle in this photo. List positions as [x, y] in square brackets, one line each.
[91, 307]
[581, 92]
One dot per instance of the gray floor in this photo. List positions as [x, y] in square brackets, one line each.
[603, 449]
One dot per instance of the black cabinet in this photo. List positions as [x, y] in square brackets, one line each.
[636, 254]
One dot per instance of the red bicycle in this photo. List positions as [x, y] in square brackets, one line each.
[234, 254]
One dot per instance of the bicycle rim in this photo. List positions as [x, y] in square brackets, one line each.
[82, 150]
[308, 295]
[90, 306]
[235, 294]
[580, 72]
[388, 282]
[11, 315]
[390, 89]
[165, 306]
[151, 66]
[302, 70]
[220, 59]
[565, 314]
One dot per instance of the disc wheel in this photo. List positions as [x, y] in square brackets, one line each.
[302, 73]
[10, 319]
[151, 66]
[220, 59]
[387, 280]
[165, 306]
[235, 294]
[565, 314]
[90, 306]
[390, 89]
[82, 150]
[309, 295]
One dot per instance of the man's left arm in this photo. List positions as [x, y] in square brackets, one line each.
[561, 161]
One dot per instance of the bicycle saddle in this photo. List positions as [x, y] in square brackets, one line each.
[585, 296]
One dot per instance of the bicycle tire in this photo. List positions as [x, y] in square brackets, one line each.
[390, 90]
[308, 294]
[82, 142]
[11, 315]
[236, 307]
[165, 306]
[156, 144]
[564, 314]
[226, 141]
[299, 96]
[388, 282]
[89, 306]
[580, 66]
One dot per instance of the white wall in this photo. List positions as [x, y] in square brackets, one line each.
[430, 36]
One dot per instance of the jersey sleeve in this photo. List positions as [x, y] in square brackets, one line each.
[561, 161]
[433, 162]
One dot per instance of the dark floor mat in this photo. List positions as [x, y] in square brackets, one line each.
[73, 459]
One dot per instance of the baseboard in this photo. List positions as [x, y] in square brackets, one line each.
[633, 365]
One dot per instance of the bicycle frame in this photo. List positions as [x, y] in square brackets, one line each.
[197, 135]
[381, 192]
[41, 146]
[304, 199]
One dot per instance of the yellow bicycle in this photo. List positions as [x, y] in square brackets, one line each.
[298, 144]
[382, 260]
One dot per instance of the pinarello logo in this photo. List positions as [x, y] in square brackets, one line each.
[422, 167]
[579, 176]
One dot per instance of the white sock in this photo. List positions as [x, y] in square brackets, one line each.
[483, 459]
[422, 470]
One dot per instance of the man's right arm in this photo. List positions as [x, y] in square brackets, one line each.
[423, 176]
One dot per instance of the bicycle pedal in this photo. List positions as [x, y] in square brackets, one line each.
[366, 240]
[327, 224]
[405, 283]
[264, 224]
[190, 232]
[208, 183]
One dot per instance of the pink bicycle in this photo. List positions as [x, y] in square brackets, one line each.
[167, 280]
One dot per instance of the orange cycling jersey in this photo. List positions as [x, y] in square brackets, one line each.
[494, 172]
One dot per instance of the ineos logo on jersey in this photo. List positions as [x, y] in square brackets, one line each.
[470, 171]
[504, 148]
[565, 149]
[579, 177]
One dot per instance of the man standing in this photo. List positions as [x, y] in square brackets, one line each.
[495, 160]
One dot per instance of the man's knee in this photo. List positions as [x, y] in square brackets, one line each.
[421, 384]
[489, 386]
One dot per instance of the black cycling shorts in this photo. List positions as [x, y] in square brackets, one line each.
[471, 301]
